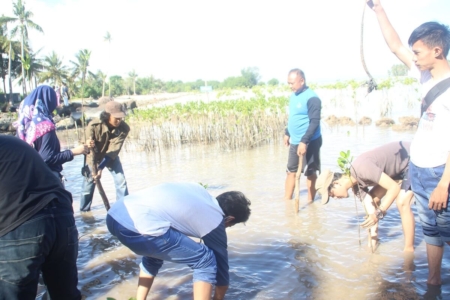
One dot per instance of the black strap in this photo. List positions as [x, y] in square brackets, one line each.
[432, 94]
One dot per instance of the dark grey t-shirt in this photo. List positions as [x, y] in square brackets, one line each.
[392, 159]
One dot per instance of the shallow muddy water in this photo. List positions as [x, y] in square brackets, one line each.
[277, 254]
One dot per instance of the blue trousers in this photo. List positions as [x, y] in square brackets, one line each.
[47, 243]
[435, 223]
[209, 261]
[88, 187]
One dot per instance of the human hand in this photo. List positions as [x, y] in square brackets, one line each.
[374, 4]
[301, 150]
[439, 197]
[81, 149]
[370, 221]
[91, 143]
[97, 176]
[286, 141]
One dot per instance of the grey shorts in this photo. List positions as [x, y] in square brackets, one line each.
[311, 161]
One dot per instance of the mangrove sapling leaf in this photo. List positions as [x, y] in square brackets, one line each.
[205, 185]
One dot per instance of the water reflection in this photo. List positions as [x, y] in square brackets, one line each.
[318, 253]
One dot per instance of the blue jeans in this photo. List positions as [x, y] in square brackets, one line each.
[176, 247]
[47, 243]
[435, 223]
[88, 187]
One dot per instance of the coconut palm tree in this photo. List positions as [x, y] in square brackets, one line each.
[36, 67]
[10, 48]
[133, 77]
[81, 67]
[108, 38]
[33, 67]
[54, 70]
[23, 20]
[102, 76]
[4, 46]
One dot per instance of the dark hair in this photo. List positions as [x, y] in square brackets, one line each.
[432, 34]
[235, 204]
[336, 176]
[299, 73]
[104, 116]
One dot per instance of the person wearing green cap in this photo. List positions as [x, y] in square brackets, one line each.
[381, 169]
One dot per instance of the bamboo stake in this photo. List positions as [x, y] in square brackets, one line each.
[297, 184]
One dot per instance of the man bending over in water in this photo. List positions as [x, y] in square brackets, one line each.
[381, 168]
[158, 221]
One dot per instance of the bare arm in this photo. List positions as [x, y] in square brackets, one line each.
[390, 35]
[392, 190]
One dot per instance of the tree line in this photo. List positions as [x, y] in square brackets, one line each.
[27, 68]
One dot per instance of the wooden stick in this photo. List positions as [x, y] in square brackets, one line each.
[99, 185]
[98, 182]
[297, 184]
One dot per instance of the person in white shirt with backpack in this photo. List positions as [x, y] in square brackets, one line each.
[430, 149]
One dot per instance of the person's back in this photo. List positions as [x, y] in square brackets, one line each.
[187, 207]
[391, 159]
[36, 215]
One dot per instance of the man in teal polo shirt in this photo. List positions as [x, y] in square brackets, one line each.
[302, 135]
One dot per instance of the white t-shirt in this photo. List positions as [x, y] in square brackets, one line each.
[430, 146]
[185, 206]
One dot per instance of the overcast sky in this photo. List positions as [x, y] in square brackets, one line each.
[207, 39]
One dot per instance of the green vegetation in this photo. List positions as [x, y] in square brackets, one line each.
[233, 123]
[205, 185]
[28, 68]
[398, 70]
[345, 162]
[22, 23]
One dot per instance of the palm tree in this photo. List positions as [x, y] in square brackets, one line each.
[23, 18]
[33, 67]
[36, 67]
[4, 46]
[102, 76]
[133, 77]
[9, 47]
[81, 66]
[54, 71]
[107, 38]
